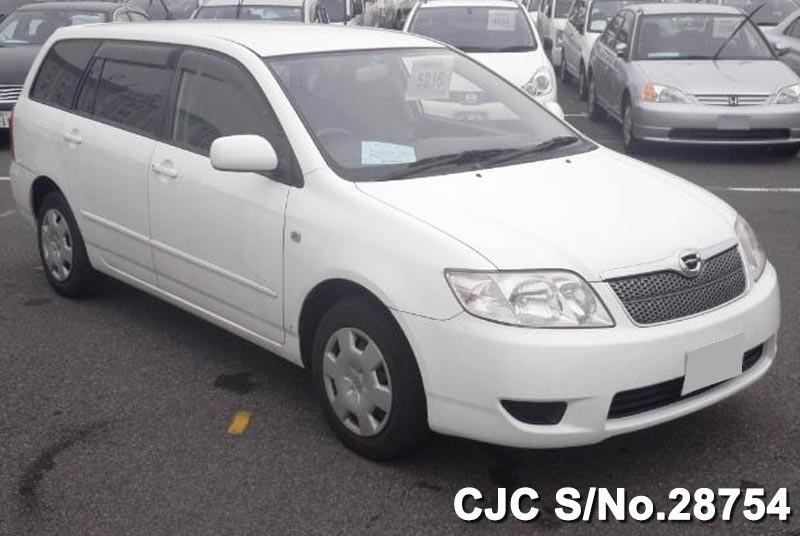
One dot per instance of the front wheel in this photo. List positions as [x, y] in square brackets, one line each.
[595, 111]
[61, 248]
[367, 379]
[563, 73]
[631, 144]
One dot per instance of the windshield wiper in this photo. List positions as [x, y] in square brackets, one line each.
[516, 48]
[736, 30]
[443, 161]
[543, 147]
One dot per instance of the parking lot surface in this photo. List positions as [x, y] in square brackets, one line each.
[114, 411]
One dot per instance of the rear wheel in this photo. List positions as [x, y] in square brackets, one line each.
[595, 111]
[62, 250]
[563, 72]
[367, 380]
[582, 83]
[631, 144]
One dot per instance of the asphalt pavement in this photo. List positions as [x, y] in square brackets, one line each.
[114, 412]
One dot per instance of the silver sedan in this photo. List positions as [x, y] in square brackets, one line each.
[689, 73]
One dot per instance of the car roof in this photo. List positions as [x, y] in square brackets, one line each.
[223, 3]
[470, 3]
[263, 38]
[72, 6]
[684, 7]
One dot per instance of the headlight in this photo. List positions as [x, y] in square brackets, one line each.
[664, 94]
[754, 255]
[559, 38]
[541, 299]
[540, 84]
[788, 95]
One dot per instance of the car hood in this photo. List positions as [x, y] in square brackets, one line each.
[516, 67]
[728, 76]
[15, 62]
[593, 213]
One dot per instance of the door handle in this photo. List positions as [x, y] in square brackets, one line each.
[164, 170]
[73, 136]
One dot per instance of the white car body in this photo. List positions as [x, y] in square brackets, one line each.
[516, 67]
[257, 248]
[578, 42]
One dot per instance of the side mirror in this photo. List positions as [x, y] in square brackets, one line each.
[555, 109]
[548, 44]
[246, 152]
[621, 49]
[780, 49]
[358, 8]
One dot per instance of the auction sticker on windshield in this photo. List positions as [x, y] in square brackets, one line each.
[429, 78]
[501, 20]
[380, 153]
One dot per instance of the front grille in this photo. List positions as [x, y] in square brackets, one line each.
[9, 94]
[668, 295]
[718, 99]
[635, 401]
[713, 134]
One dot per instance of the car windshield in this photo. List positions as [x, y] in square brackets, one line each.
[476, 29]
[251, 12]
[404, 113]
[561, 9]
[34, 27]
[605, 10]
[698, 36]
[773, 12]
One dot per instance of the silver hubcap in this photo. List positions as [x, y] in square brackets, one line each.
[56, 245]
[357, 382]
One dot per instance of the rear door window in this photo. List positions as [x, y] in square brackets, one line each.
[128, 84]
[61, 72]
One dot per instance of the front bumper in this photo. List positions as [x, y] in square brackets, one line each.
[469, 365]
[718, 125]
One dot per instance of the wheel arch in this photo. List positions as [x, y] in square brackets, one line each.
[40, 187]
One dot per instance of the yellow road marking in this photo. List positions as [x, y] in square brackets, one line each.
[241, 420]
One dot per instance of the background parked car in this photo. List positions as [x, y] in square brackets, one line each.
[496, 33]
[266, 10]
[768, 16]
[586, 21]
[550, 22]
[24, 31]
[786, 38]
[166, 9]
[693, 74]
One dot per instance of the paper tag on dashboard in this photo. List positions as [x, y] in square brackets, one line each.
[379, 153]
[429, 78]
[501, 20]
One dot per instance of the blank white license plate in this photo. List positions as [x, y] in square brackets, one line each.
[714, 363]
[4, 119]
[733, 122]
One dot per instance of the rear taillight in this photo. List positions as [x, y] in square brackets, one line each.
[11, 134]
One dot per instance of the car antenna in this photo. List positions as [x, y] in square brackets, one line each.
[239, 8]
[735, 31]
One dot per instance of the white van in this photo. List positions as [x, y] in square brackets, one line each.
[310, 189]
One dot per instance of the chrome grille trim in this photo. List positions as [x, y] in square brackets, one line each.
[720, 99]
[9, 94]
[661, 296]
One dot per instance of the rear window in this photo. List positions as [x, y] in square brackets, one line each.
[61, 72]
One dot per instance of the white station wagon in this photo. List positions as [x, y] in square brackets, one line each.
[311, 189]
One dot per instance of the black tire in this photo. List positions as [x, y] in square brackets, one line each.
[406, 425]
[563, 72]
[81, 276]
[595, 111]
[630, 142]
[583, 90]
[788, 151]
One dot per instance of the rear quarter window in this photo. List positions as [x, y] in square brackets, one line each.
[61, 71]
